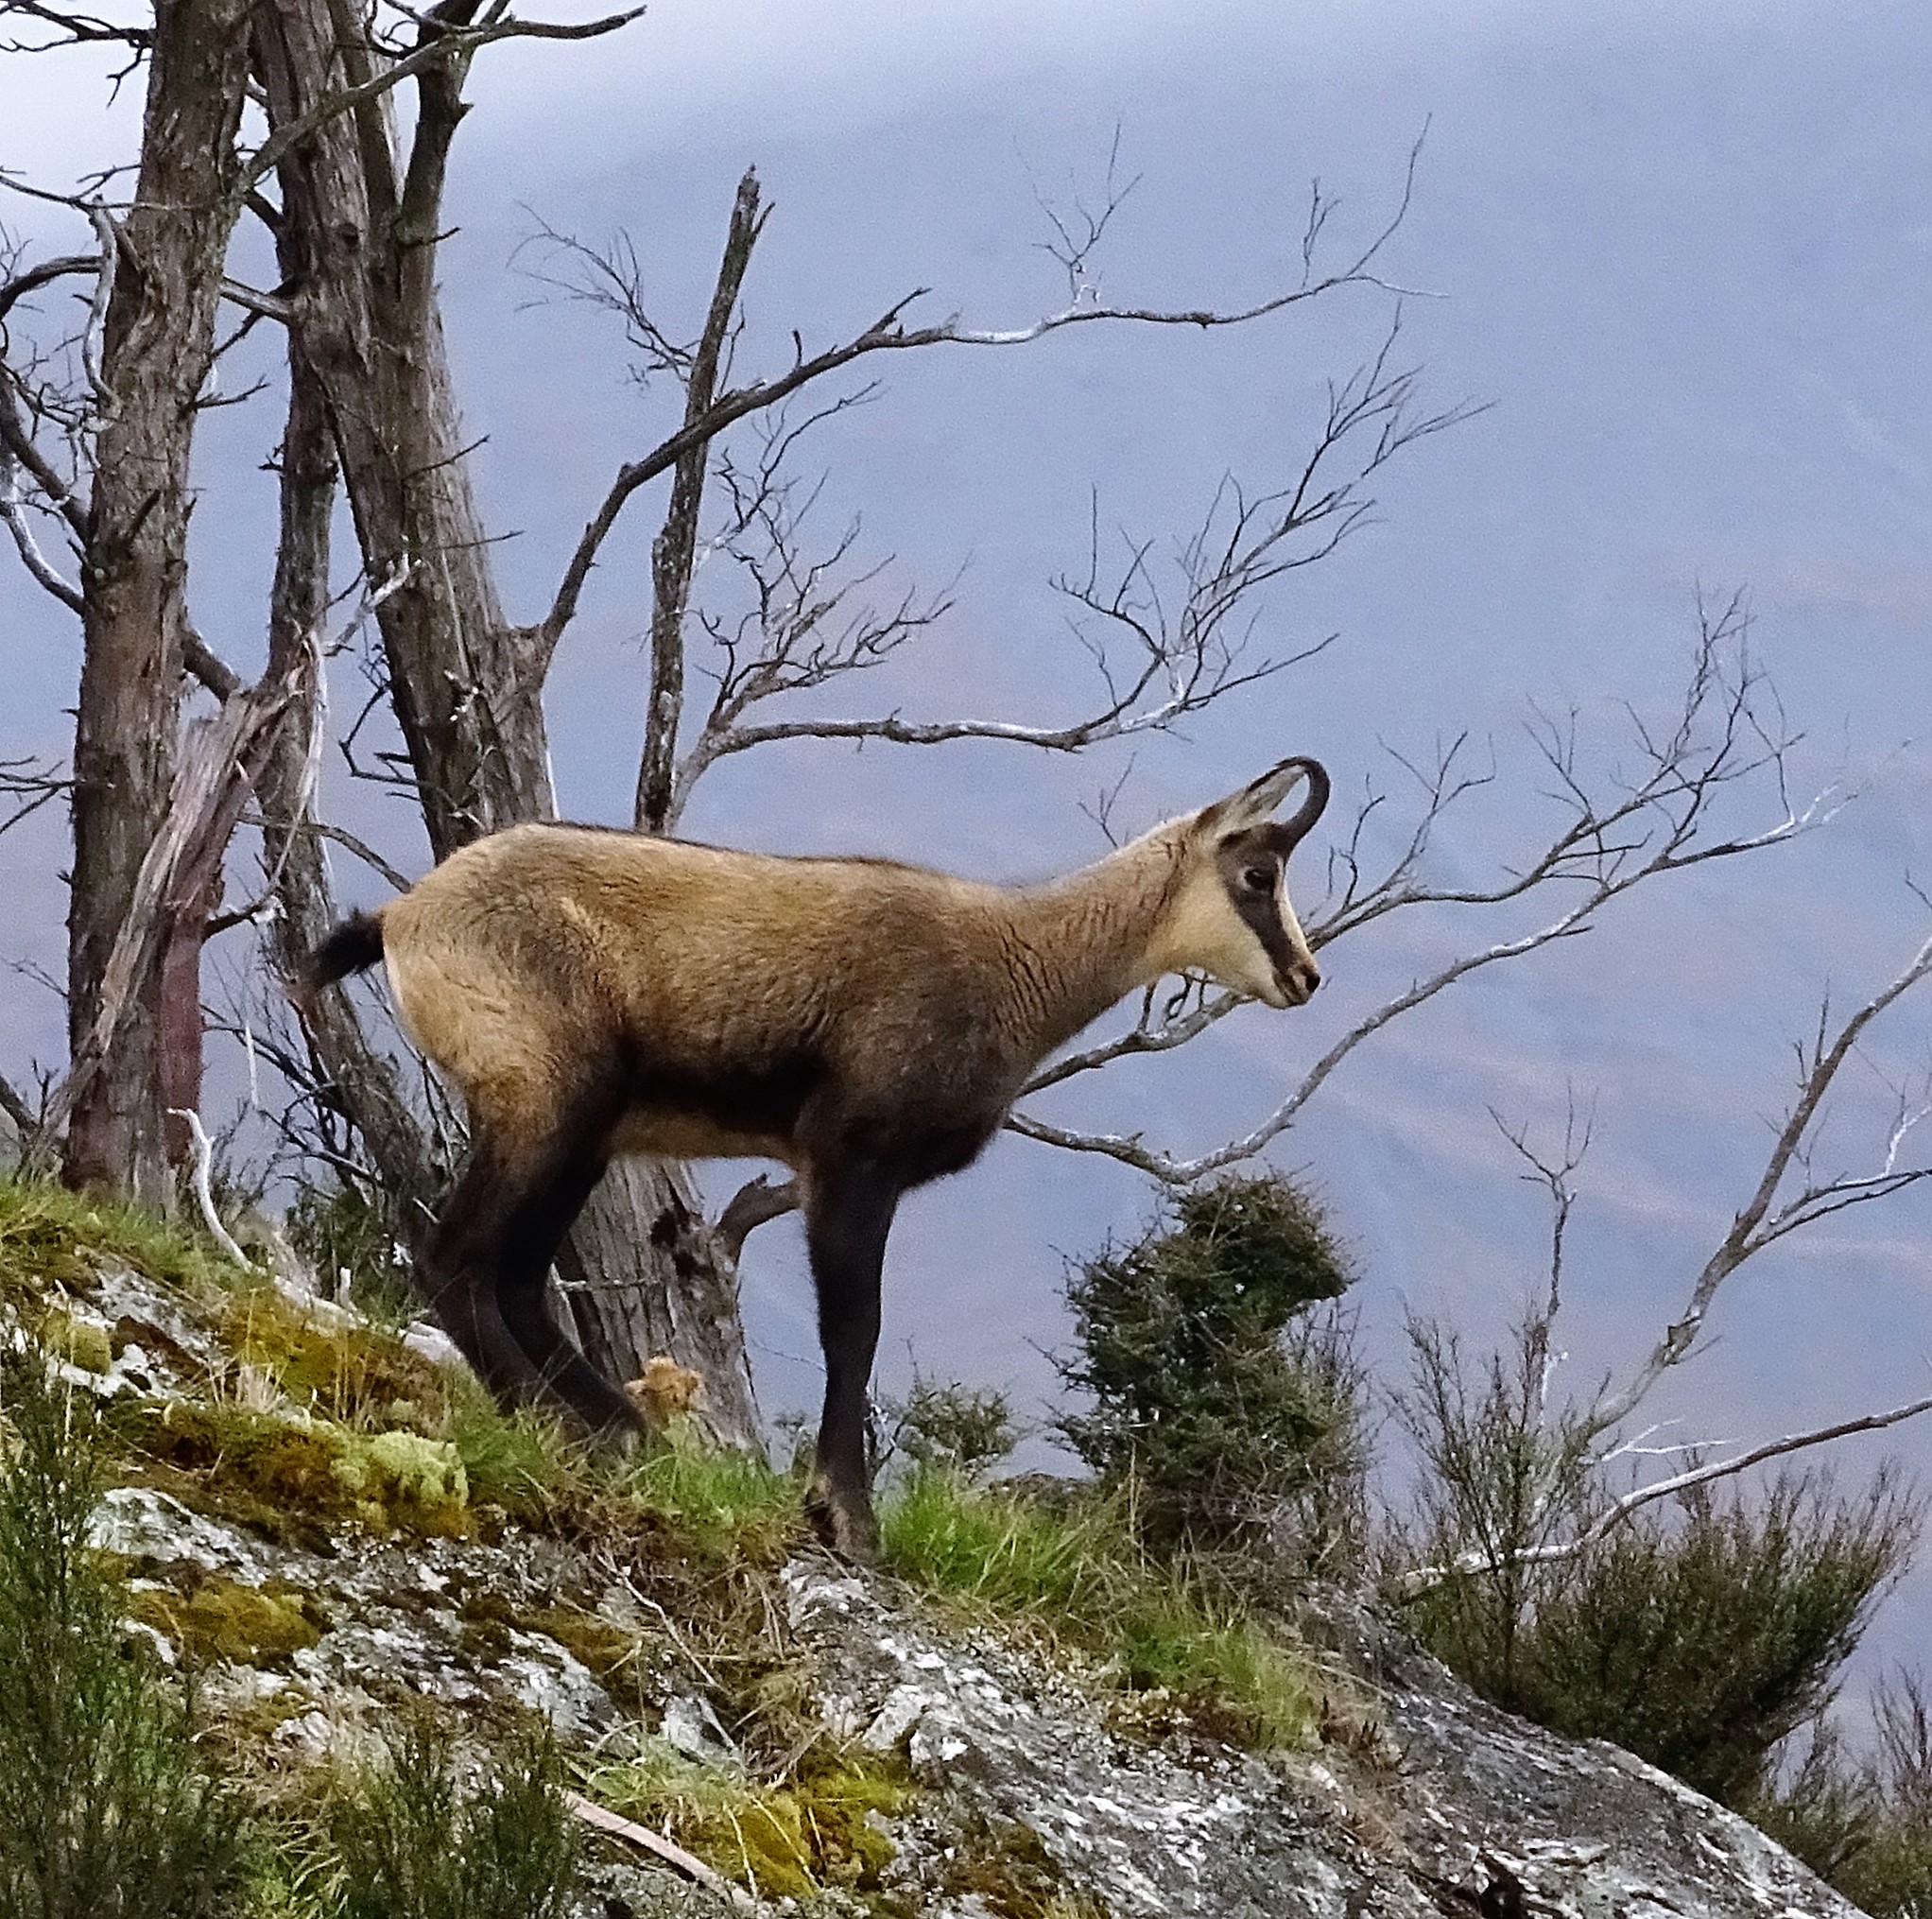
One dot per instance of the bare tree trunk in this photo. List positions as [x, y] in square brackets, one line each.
[467, 687]
[358, 1078]
[155, 350]
[622, 1315]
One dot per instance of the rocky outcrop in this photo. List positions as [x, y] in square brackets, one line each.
[1021, 1785]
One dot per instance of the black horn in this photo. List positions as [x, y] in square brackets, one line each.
[1311, 808]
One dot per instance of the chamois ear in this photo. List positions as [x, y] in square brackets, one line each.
[1254, 804]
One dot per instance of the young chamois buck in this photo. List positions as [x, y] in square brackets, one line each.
[593, 993]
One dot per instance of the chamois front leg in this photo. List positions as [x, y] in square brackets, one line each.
[848, 1215]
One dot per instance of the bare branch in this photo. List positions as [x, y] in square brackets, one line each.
[675, 549]
[204, 1197]
[1763, 1219]
[26, 1122]
[1424, 1579]
[748, 1208]
[441, 44]
[31, 785]
[1614, 833]
[891, 333]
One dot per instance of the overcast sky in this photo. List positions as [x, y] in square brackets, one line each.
[1683, 253]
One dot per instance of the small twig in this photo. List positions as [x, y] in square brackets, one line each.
[204, 1197]
[660, 1847]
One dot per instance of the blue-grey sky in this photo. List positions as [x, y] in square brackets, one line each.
[1685, 253]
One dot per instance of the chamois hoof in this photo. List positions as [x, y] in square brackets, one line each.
[847, 1528]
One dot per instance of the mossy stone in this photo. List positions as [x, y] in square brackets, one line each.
[223, 1619]
[78, 1342]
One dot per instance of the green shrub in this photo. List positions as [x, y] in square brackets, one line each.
[1211, 1391]
[356, 1248]
[1699, 1635]
[407, 1842]
[1505, 1480]
[108, 1808]
[1700, 1641]
[1865, 1824]
[942, 1423]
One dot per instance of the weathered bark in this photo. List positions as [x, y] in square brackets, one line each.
[676, 545]
[357, 1077]
[467, 687]
[156, 346]
[693, 1314]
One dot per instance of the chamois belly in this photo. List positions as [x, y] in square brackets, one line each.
[747, 1111]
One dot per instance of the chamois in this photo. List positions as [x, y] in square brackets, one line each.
[593, 993]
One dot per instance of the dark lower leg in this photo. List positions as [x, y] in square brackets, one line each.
[459, 1273]
[846, 1229]
[536, 1230]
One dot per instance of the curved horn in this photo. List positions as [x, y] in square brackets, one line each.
[1311, 808]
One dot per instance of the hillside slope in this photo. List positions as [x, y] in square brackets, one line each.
[323, 1521]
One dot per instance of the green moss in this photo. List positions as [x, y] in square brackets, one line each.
[821, 1830]
[590, 1639]
[223, 1619]
[78, 1342]
[349, 1373]
[274, 1472]
[406, 1474]
[1006, 1868]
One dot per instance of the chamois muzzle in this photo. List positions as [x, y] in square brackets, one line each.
[1297, 981]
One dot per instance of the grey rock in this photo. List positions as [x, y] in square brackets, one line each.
[1448, 1807]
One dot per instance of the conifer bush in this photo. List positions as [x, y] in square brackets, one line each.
[1217, 1394]
[107, 1807]
[409, 1840]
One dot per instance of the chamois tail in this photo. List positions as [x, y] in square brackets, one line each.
[355, 944]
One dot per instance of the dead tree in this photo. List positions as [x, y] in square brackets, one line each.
[353, 203]
[96, 427]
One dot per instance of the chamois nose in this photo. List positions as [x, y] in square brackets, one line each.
[1300, 981]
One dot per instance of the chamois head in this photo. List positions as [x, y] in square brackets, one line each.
[1230, 916]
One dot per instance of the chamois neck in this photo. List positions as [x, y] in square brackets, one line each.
[1085, 938]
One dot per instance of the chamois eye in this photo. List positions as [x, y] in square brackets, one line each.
[1259, 879]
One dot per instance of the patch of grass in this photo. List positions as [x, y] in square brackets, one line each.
[1079, 1575]
[285, 1475]
[722, 1504]
[523, 1464]
[820, 1830]
[49, 1235]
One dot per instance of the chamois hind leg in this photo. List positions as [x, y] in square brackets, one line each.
[848, 1216]
[535, 1229]
[462, 1263]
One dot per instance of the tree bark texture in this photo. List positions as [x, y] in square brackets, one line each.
[156, 346]
[360, 224]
